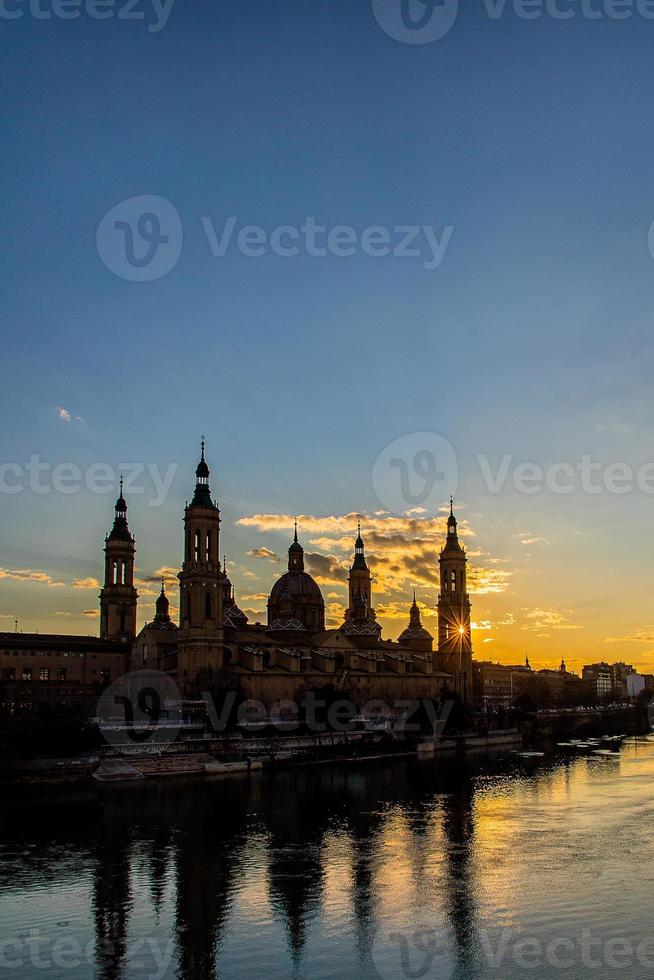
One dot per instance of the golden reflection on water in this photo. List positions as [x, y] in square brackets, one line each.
[392, 870]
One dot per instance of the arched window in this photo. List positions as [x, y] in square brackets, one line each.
[207, 605]
[114, 573]
[208, 546]
[196, 550]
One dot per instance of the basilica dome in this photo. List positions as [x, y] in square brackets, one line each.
[296, 596]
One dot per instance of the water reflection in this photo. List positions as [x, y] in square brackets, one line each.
[304, 873]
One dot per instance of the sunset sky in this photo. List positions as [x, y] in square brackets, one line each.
[529, 343]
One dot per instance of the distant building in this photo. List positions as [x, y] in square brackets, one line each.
[492, 684]
[608, 680]
[42, 674]
[637, 683]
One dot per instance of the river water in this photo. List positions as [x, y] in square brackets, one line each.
[492, 867]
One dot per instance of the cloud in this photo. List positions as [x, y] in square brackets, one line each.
[334, 613]
[30, 575]
[402, 551]
[263, 553]
[490, 624]
[542, 619]
[644, 635]
[66, 416]
[83, 612]
[528, 541]
[394, 610]
[326, 569]
[85, 583]
[254, 614]
[257, 597]
[151, 584]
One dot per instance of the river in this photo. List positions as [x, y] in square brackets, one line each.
[490, 867]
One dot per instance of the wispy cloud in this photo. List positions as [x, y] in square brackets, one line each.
[85, 583]
[67, 416]
[545, 619]
[263, 553]
[30, 575]
[402, 550]
[644, 635]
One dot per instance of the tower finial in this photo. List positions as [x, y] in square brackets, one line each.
[359, 528]
[295, 538]
[224, 564]
[451, 506]
[162, 585]
[414, 597]
[121, 484]
[202, 441]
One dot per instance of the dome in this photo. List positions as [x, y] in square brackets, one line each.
[202, 470]
[415, 633]
[296, 595]
[162, 604]
[292, 584]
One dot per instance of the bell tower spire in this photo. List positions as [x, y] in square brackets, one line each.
[454, 637]
[200, 582]
[360, 615]
[118, 597]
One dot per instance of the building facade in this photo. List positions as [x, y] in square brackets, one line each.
[214, 646]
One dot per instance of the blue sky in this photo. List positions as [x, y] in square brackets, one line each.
[533, 337]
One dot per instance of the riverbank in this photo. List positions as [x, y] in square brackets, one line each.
[217, 759]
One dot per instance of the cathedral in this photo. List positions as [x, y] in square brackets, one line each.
[214, 646]
[294, 651]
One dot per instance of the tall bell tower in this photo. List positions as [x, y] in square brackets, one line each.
[118, 596]
[360, 615]
[454, 637]
[200, 584]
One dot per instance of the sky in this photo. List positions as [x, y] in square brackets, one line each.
[478, 297]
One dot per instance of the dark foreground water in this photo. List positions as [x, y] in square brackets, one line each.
[492, 868]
